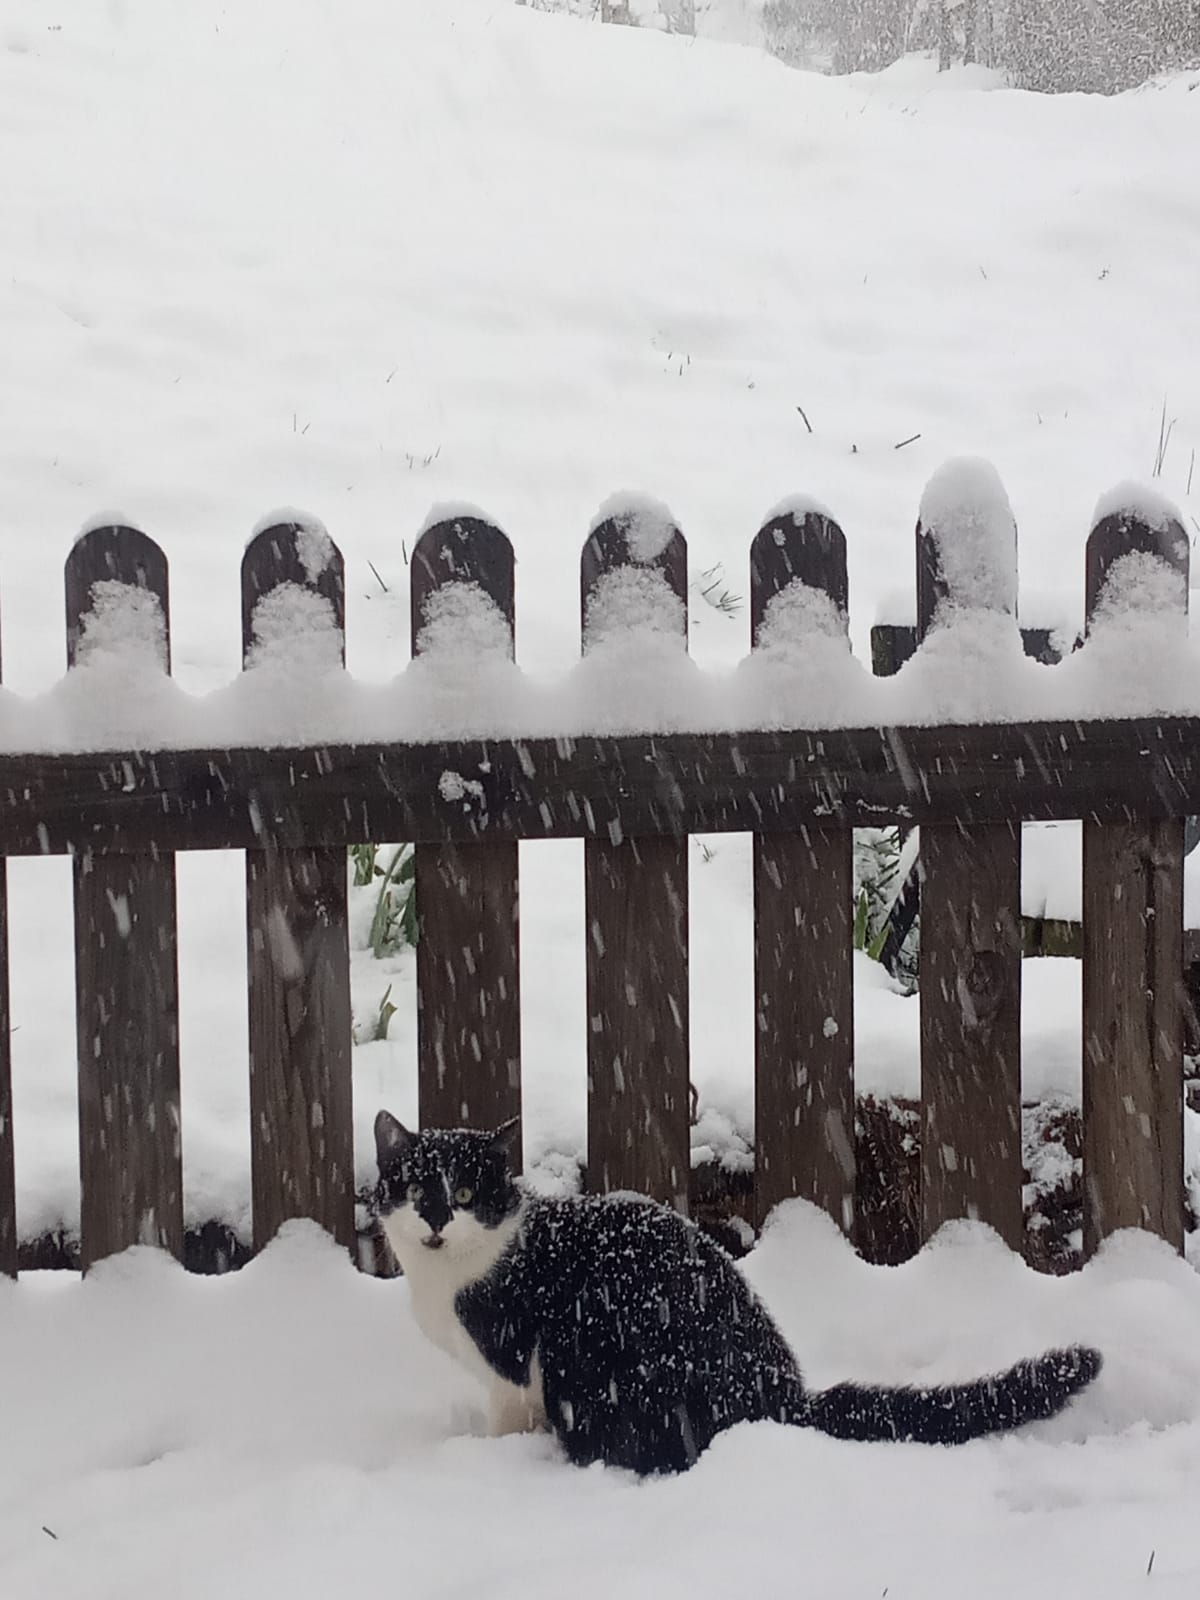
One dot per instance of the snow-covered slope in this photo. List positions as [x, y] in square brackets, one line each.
[370, 256]
[367, 256]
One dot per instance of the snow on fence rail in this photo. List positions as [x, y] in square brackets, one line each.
[466, 802]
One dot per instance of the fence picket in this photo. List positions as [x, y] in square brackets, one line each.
[636, 940]
[298, 972]
[803, 937]
[126, 976]
[468, 906]
[634, 799]
[8, 1193]
[970, 994]
[1132, 975]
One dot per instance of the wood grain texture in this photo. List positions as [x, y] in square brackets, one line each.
[792, 547]
[8, 1190]
[298, 966]
[8, 1196]
[468, 899]
[971, 1028]
[1133, 1002]
[803, 943]
[126, 980]
[636, 940]
[590, 787]
[1132, 1030]
[970, 983]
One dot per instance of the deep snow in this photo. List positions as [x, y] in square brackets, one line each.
[426, 252]
[372, 257]
[286, 1430]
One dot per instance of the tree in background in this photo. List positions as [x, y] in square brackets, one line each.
[1099, 45]
[1049, 45]
[1053, 46]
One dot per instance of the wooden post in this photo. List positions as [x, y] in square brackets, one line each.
[468, 909]
[8, 1188]
[298, 965]
[126, 968]
[803, 942]
[636, 939]
[970, 990]
[1133, 974]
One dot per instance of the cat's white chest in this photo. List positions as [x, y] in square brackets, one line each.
[435, 1278]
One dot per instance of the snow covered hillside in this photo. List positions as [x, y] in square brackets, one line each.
[367, 258]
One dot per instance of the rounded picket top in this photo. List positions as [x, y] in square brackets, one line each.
[1132, 520]
[112, 551]
[966, 542]
[462, 547]
[633, 531]
[797, 543]
[291, 547]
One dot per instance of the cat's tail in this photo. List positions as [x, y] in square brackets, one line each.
[1028, 1392]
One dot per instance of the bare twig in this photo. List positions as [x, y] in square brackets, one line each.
[911, 440]
[1150, 1563]
[804, 418]
[378, 579]
[1165, 430]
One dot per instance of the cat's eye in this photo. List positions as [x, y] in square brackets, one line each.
[463, 1196]
[415, 1191]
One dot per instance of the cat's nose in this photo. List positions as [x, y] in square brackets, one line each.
[433, 1242]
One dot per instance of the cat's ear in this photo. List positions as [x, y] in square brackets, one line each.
[507, 1135]
[392, 1138]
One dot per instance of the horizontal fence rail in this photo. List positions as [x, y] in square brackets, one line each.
[599, 788]
[465, 803]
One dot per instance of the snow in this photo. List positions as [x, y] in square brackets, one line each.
[630, 602]
[965, 511]
[124, 624]
[1140, 501]
[797, 506]
[392, 255]
[647, 524]
[288, 1430]
[463, 626]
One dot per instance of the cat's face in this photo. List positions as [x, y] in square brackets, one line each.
[443, 1189]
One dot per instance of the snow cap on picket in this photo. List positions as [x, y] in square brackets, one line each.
[966, 513]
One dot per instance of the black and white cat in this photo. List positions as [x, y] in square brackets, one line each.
[627, 1331]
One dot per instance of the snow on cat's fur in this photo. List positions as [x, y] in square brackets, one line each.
[627, 1331]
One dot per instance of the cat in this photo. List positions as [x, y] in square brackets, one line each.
[626, 1331]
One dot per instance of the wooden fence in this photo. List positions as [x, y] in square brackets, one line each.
[121, 816]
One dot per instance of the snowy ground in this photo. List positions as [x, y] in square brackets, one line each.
[286, 1431]
[367, 257]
